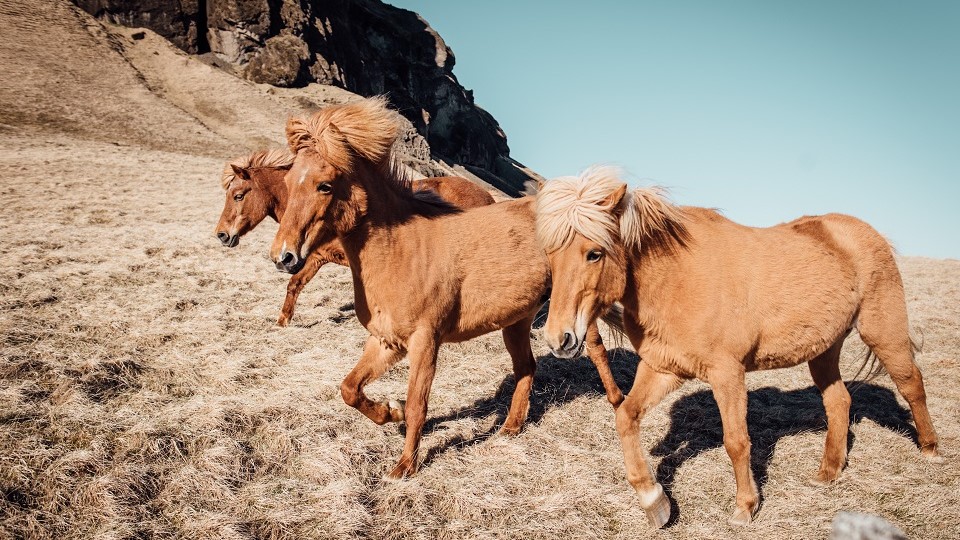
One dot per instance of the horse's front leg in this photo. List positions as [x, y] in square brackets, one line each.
[516, 337]
[298, 281]
[375, 361]
[649, 388]
[422, 350]
[598, 355]
[730, 391]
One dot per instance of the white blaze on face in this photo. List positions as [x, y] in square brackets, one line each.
[580, 326]
[305, 247]
[303, 176]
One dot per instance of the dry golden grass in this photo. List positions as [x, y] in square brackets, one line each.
[145, 392]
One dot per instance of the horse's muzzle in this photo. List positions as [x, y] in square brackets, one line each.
[289, 262]
[228, 240]
[570, 347]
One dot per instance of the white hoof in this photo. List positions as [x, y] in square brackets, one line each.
[656, 505]
[931, 454]
[741, 518]
[396, 409]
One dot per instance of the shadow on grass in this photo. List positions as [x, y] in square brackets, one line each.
[695, 425]
[556, 382]
[772, 414]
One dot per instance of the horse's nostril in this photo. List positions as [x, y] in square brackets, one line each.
[288, 258]
[567, 341]
[224, 237]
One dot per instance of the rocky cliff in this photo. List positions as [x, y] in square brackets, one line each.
[364, 46]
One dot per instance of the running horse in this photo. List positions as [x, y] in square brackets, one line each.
[708, 298]
[255, 190]
[424, 272]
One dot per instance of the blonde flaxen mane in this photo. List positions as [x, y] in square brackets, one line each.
[572, 205]
[275, 157]
[364, 129]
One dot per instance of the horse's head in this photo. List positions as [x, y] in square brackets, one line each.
[244, 207]
[591, 227]
[337, 150]
[577, 225]
[316, 193]
[250, 197]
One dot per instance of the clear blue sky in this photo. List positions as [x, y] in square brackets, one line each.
[765, 110]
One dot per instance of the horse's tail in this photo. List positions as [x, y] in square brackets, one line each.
[870, 368]
[614, 319]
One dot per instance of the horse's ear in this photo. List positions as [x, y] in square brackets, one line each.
[297, 134]
[240, 172]
[336, 148]
[613, 199]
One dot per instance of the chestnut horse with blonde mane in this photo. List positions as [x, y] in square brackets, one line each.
[424, 272]
[255, 189]
[705, 297]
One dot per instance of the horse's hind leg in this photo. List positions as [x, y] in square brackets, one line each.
[598, 355]
[825, 370]
[884, 328]
[297, 282]
[516, 337]
[649, 388]
[374, 362]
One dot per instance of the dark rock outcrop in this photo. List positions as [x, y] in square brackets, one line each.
[182, 22]
[365, 46]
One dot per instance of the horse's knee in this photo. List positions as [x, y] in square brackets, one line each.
[350, 394]
[737, 445]
[843, 401]
[627, 417]
[294, 286]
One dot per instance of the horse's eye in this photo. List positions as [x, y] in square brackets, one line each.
[324, 187]
[594, 255]
[239, 196]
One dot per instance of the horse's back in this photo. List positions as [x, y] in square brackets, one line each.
[788, 291]
[853, 241]
[458, 191]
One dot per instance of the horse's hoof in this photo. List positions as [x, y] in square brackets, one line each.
[283, 321]
[933, 456]
[401, 472]
[657, 506]
[391, 479]
[741, 517]
[822, 479]
[396, 410]
[510, 431]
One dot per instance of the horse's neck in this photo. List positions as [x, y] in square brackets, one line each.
[372, 235]
[272, 181]
[391, 203]
[653, 270]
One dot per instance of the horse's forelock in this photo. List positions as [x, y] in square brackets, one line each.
[364, 129]
[271, 158]
[568, 206]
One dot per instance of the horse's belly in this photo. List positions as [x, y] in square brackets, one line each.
[795, 347]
